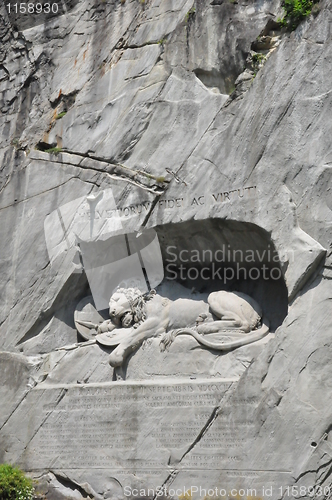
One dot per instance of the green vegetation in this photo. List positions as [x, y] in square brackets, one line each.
[162, 41]
[190, 14]
[258, 58]
[295, 12]
[60, 115]
[14, 485]
[53, 150]
[257, 62]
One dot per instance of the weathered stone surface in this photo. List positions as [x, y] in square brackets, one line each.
[136, 98]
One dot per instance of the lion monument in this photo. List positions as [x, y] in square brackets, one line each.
[136, 317]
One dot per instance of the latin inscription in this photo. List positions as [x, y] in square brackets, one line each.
[113, 425]
[233, 195]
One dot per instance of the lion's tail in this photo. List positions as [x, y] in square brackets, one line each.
[253, 336]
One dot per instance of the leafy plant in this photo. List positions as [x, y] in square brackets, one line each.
[295, 12]
[53, 150]
[14, 485]
[282, 22]
[162, 41]
[60, 115]
[258, 58]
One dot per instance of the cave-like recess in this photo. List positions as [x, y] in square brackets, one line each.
[241, 241]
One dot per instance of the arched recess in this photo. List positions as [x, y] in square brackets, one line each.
[218, 254]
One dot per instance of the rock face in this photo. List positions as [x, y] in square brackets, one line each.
[121, 117]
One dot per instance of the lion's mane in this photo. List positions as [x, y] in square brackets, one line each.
[137, 301]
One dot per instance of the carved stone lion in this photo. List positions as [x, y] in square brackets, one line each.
[135, 318]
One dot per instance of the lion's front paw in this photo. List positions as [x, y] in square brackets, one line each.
[103, 327]
[146, 343]
[201, 318]
[162, 346]
[166, 341]
[115, 359]
[106, 326]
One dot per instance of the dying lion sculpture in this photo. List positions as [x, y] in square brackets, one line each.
[135, 318]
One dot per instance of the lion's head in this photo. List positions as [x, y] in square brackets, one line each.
[128, 306]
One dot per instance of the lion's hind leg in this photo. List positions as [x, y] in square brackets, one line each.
[227, 320]
[221, 325]
[228, 316]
